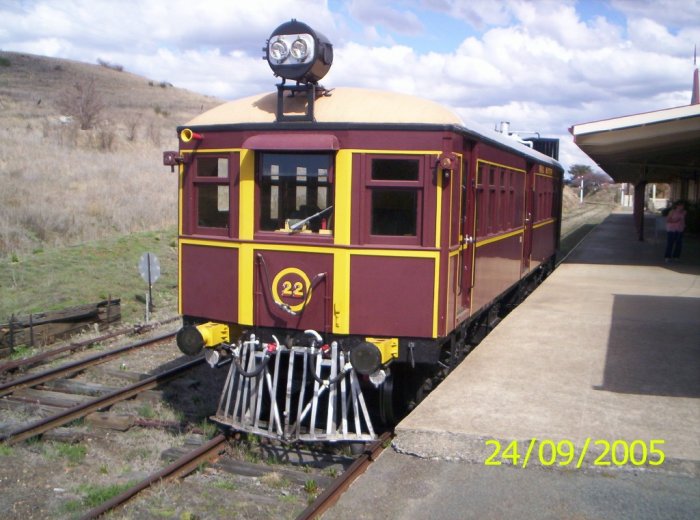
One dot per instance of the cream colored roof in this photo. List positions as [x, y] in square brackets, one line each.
[344, 105]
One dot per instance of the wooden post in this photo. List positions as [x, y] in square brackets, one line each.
[12, 334]
[31, 331]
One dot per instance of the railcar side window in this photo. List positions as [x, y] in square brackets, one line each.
[499, 200]
[211, 186]
[394, 212]
[296, 193]
[395, 170]
[544, 209]
[481, 203]
[492, 224]
[394, 197]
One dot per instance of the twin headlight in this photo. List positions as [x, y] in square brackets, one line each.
[295, 48]
[295, 51]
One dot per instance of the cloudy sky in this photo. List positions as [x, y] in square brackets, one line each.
[542, 65]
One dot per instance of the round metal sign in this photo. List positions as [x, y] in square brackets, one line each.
[149, 267]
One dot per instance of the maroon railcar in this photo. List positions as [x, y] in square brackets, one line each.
[342, 251]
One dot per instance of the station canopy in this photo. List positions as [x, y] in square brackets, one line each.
[660, 146]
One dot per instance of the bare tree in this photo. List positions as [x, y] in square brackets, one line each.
[585, 172]
[83, 102]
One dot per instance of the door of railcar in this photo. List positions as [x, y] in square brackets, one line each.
[458, 300]
[467, 236]
[529, 217]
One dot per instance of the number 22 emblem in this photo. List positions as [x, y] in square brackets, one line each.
[292, 287]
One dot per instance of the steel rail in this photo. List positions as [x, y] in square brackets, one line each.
[81, 410]
[332, 493]
[34, 360]
[76, 366]
[181, 467]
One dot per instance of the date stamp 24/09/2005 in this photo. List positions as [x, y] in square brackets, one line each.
[546, 452]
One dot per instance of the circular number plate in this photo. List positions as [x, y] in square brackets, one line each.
[292, 287]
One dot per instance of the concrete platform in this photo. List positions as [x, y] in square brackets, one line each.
[606, 349]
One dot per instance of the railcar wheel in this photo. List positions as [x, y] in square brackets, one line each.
[423, 391]
[395, 397]
[401, 393]
[387, 411]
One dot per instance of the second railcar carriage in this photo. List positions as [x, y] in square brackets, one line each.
[340, 247]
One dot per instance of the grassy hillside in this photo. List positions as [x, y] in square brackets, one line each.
[62, 277]
[62, 185]
[79, 207]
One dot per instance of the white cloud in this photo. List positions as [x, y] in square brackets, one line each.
[478, 13]
[674, 13]
[561, 23]
[144, 24]
[542, 65]
[371, 12]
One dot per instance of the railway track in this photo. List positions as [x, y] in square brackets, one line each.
[307, 481]
[290, 485]
[331, 494]
[10, 389]
[181, 467]
[69, 369]
[49, 355]
[577, 224]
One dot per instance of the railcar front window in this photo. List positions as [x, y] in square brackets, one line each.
[212, 167]
[296, 193]
[213, 204]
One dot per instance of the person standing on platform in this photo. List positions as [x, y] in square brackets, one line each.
[675, 225]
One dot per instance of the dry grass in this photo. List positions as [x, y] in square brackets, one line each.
[66, 195]
[62, 185]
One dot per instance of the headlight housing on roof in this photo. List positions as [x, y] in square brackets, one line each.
[296, 52]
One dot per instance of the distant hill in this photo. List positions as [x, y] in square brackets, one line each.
[62, 185]
[30, 87]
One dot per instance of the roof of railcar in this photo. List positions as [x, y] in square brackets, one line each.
[354, 106]
[342, 105]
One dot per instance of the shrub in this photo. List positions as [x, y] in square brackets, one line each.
[132, 129]
[83, 102]
[111, 66]
[106, 138]
[311, 487]
[161, 111]
[153, 131]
